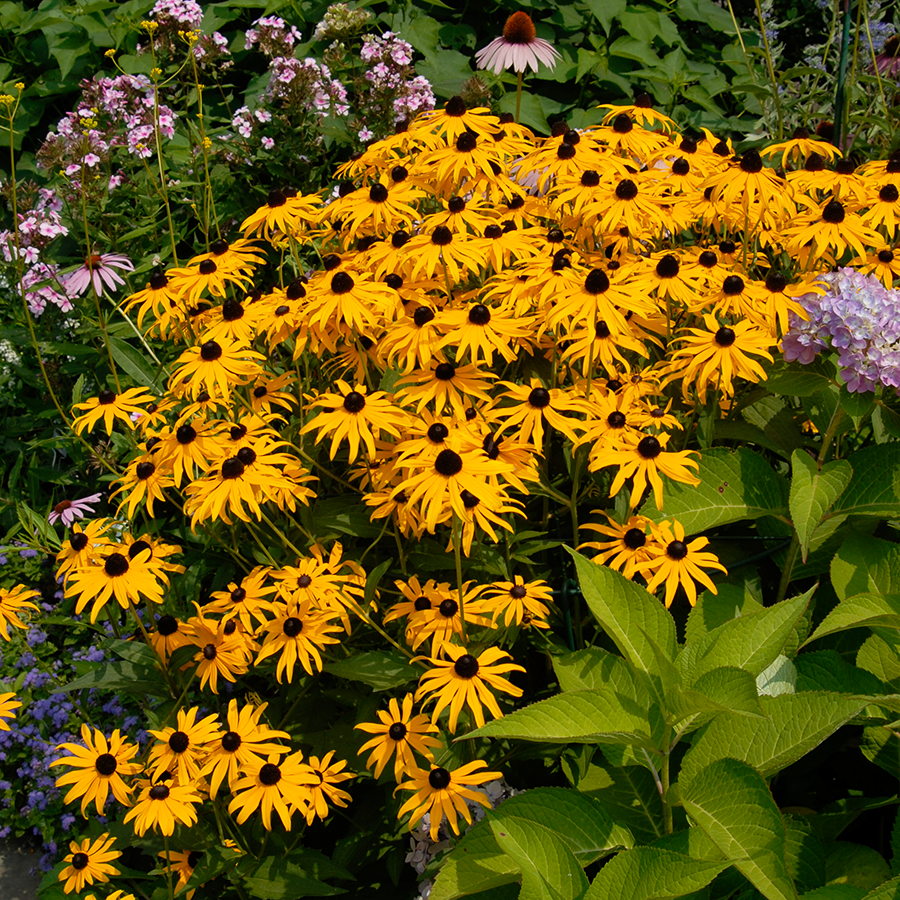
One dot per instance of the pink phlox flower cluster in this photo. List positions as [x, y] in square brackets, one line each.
[274, 36]
[37, 227]
[306, 83]
[39, 285]
[185, 15]
[211, 50]
[857, 317]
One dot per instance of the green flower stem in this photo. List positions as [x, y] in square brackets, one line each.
[840, 95]
[771, 69]
[357, 608]
[168, 867]
[519, 77]
[457, 555]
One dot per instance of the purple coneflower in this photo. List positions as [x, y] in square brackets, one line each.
[99, 269]
[517, 48]
[70, 510]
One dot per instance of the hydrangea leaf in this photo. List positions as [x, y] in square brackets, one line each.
[725, 689]
[814, 491]
[732, 803]
[380, 669]
[880, 655]
[583, 717]
[281, 879]
[860, 610]
[796, 724]
[549, 868]
[797, 380]
[752, 642]
[778, 678]
[804, 854]
[649, 873]
[865, 564]
[627, 613]
[713, 610]
[734, 485]
[856, 865]
[835, 892]
[874, 489]
[827, 670]
[594, 668]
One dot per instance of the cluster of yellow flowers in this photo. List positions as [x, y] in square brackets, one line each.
[477, 291]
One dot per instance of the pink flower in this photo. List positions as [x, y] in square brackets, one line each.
[99, 270]
[517, 48]
[70, 510]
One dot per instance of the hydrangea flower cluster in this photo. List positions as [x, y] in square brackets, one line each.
[857, 317]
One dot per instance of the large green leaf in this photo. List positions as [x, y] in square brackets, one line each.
[648, 873]
[594, 668]
[286, 879]
[751, 642]
[865, 564]
[827, 670]
[734, 485]
[627, 613]
[874, 489]
[890, 890]
[549, 868]
[814, 491]
[628, 793]
[880, 655]
[796, 724]
[858, 611]
[855, 864]
[731, 802]
[124, 676]
[804, 854]
[576, 716]
[725, 689]
[835, 892]
[713, 610]
[380, 669]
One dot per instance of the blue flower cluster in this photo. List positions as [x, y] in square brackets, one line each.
[857, 317]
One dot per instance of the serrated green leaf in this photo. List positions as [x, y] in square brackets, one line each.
[834, 892]
[777, 679]
[797, 380]
[380, 669]
[583, 717]
[882, 747]
[713, 610]
[827, 670]
[629, 794]
[874, 489]
[814, 491]
[282, 879]
[859, 611]
[725, 689]
[549, 868]
[594, 669]
[752, 642]
[880, 655]
[856, 865]
[865, 564]
[124, 676]
[648, 873]
[627, 613]
[731, 802]
[890, 890]
[734, 485]
[467, 872]
[606, 11]
[796, 724]
[804, 855]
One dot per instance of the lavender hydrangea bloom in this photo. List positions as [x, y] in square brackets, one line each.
[857, 317]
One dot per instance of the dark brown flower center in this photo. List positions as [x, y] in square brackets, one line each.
[231, 740]
[479, 314]
[444, 371]
[448, 608]
[634, 539]
[292, 626]
[378, 193]
[519, 29]
[439, 778]
[725, 337]
[232, 468]
[751, 162]
[539, 398]
[80, 861]
[448, 463]
[833, 212]
[179, 742]
[78, 541]
[518, 592]
[397, 731]
[597, 282]
[269, 774]
[159, 792]
[649, 447]
[733, 285]
[775, 282]
[106, 397]
[210, 351]
[466, 666]
[144, 470]
[668, 266]
[116, 564]
[442, 236]
[354, 402]
[341, 283]
[167, 625]
[677, 550]
[105, 764]
[210, 652]
[207, 267]
[437, 433]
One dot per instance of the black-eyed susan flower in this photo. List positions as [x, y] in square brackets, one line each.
[189, 447]
[88, 862]
[13, 603]
[353, 299]
[216, 367]
[8, 704]
[440, 792]
[627, 544]
[182, 746]
[98, 768]
[831, 226]
[412, 341]
[445, 619]
[466, 680]
[272, 786]
[533, 409]
[398, 734]
[715, 357]
[111, 407]
[115, 576]
[143, 481]
[189, 282]
[224, 649]
[356, 416]
[454, 120]
[247, 740]
[442, 252]
[519, 601]
[79, 549]
[643, 459]
[182, 864]
[169, 635]
[675, 562]
[298, 634]
[481, 330]
[285, 212]
[445, 384]
[161, 805]
[325, 776]
[247, 600]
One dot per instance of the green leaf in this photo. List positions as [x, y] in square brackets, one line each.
[895, 846]
[583, 717]
[797, 380]
[627, 613]
[343, 515]
[880, 655]
[713, 610]
[549, 868]
[814, 491]
[467, 871]
[648, 873]
[856, 865]
[752, 642]
[865, 564]
[874, 489]
[380, 669]
[130, 360]
[606, 11]
[882, 747]
[796, 724]
[628, 793]
[373, 579]
[890, 890]
[858, 611]
[721, 690]
[734, 485]
[283, 879]
[827, 670]
[777, 679]
[122, 676]
[804, 854]
[834, 892]
[731, 802]
[707, 12]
